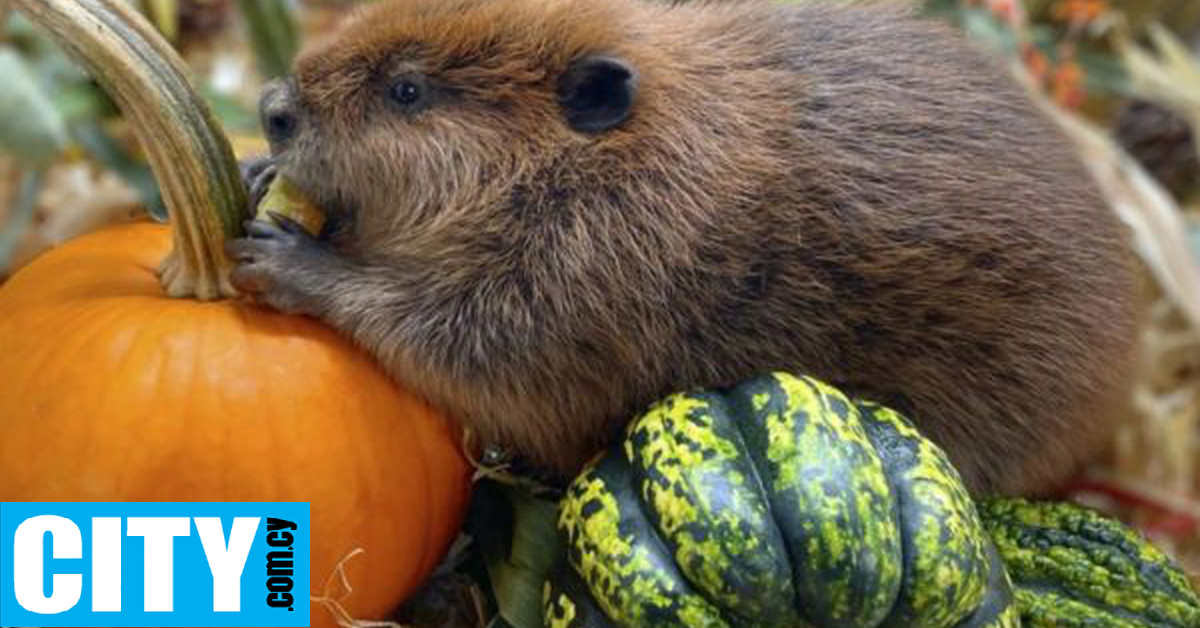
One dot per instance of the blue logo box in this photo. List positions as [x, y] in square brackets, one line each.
[154, 564]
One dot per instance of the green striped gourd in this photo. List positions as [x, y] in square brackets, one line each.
[780, 502]
[1075, 568]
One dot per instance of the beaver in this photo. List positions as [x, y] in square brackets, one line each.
[546, 214]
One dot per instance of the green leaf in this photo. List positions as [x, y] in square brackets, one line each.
[983, 26]
[944, 9]
[1104, 73]
[21, 215]
[82, 101]
[232, 114]
[521, 546]
[31, 128]
[272, 33]
[110, 154]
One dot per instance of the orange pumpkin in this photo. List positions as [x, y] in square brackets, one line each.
[110, 391]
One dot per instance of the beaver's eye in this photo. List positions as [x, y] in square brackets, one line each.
[406, 91]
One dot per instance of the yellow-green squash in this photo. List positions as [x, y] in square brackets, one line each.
[568, 604]
[1075, 568]
[780, 502]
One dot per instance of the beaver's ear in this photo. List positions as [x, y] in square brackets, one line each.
[596, 93]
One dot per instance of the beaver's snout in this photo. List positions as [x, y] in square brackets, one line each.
[280, 113]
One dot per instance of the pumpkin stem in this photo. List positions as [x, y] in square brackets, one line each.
[190, 156]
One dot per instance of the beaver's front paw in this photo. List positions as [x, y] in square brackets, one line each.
[281, 266]
[257, 174]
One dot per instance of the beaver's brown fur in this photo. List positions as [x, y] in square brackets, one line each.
[593, 203]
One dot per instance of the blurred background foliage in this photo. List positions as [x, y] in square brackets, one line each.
[1122, 76]
[1123, 79]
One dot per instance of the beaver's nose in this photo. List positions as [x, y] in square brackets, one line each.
[279, 112]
